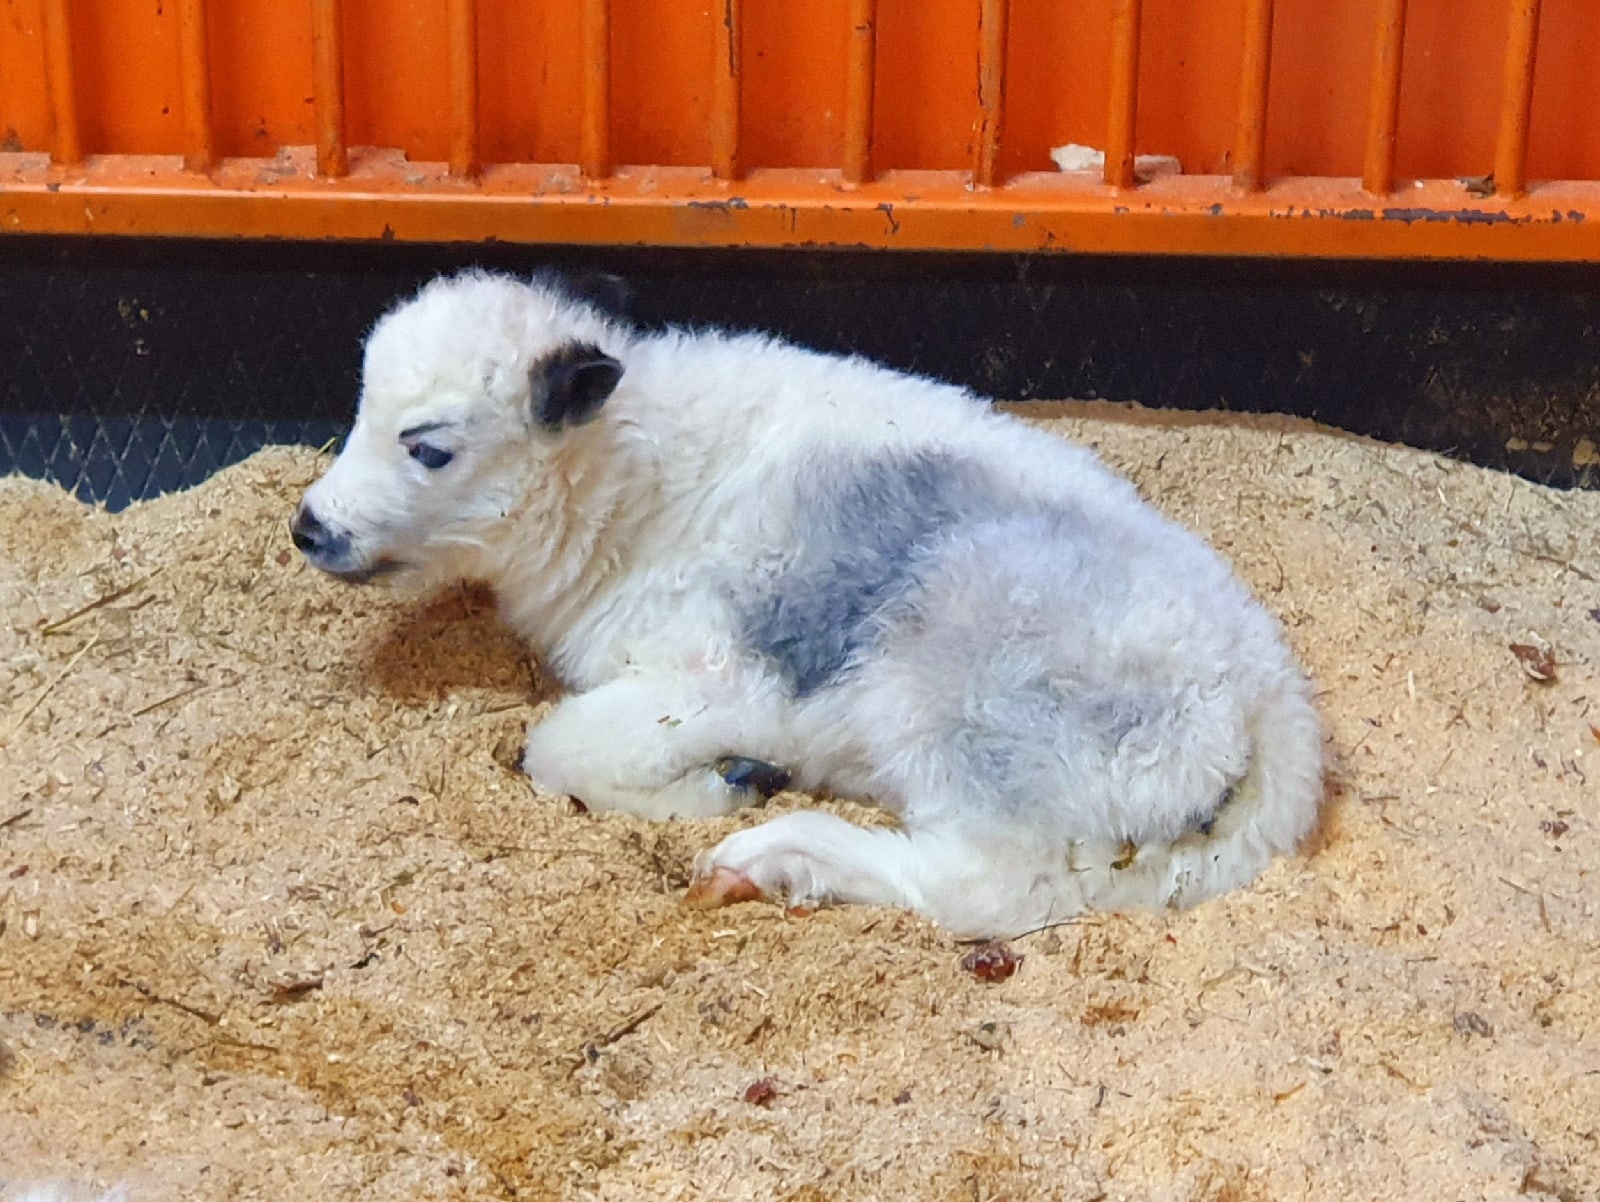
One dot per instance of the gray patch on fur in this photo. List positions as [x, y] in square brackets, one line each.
[1204, 824]
[870, 529]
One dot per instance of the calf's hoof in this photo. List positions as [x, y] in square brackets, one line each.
[720, 887]
[742, 773]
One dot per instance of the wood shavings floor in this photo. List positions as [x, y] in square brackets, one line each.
[276, 920]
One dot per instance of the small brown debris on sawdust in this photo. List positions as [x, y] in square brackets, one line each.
[763, 1091]
[992, 961]
[277, 918]
[293, 988]
[1538, 660]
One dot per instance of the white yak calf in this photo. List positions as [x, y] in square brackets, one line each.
[755, 566]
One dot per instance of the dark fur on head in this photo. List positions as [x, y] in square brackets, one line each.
[612, 295]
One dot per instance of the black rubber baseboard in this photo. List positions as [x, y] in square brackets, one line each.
[133, 368]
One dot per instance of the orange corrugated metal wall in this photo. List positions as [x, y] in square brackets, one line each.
[784, 129]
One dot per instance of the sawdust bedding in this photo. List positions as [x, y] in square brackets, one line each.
[277, 919]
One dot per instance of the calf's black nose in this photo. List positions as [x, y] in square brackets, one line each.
[309, 534]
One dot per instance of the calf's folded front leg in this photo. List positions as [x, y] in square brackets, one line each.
[659, 745]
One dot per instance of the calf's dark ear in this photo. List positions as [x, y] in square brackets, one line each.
[569, 385]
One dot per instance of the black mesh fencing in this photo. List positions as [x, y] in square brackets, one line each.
[133, 368]
[114, 460]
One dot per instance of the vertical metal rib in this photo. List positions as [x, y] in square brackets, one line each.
[1516, 101]
[1250, 141]
[199, 150]
[993, 16]
[60, 83]
[595, 135]
[327, 84]
[859, 82]
[1123, 105]
[1383, 104]
[465, 159]
[725, 91]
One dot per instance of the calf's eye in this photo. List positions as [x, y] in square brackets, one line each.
[430, 457]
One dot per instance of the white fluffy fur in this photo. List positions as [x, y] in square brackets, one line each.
[1062, 690]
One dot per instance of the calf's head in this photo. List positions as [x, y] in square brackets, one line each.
[469, 390]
